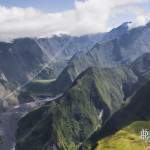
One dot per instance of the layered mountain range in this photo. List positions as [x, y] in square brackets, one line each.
[104, 90]
[25, 59]
[102, 81]
[94, 96]
[122, 50]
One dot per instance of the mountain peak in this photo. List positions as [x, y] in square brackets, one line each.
[123, 26]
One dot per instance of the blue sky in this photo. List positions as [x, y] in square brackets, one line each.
[44, 5]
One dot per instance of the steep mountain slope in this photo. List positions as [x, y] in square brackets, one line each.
[66, 122]
[19, 62]
[141, 67]
[20, 59]
[116, 32]
[142, 64]
[9, 120]
[136, 110]
[67, 45]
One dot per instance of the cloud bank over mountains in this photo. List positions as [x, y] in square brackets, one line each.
[88, 16]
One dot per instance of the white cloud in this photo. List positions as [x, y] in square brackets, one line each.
[89, 16]
[139, 21]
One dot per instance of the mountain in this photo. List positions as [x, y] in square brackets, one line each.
[89, 95]
[65, 46]
[140, 68]
[116, 32]
[85, 106]
[27, 56]
[142, 64]
[24, 59]
[97, 103]
[136, 110]
[70, 45]
[61, 48]
[19, 62]
[123, 50]
[68, 51]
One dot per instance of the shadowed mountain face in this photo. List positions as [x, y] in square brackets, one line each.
[142, 64]
[13, 65]
[24, 58]
[19, 60]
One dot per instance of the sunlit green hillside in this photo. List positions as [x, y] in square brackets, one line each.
[126, 139]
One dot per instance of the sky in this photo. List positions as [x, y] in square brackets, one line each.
[43, 5]
[44, 18]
